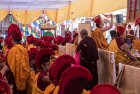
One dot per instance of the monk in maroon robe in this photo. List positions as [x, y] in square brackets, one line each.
[89, 56]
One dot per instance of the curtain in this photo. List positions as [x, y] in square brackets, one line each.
[106, 6]
[19, 15]
[81, 8]
[26, 16]
[52, 14]
[3, 14]
[63, 14]
[32, 15]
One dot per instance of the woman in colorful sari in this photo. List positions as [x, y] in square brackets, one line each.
[121, 49]
[42, 80]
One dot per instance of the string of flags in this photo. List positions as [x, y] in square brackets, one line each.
[34, 28]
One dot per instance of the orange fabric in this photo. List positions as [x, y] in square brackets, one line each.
[56, 90]
[120, 56]
[4, 49]
[18, 61]
[30, 46]
[99, 38]
[52, 89]
[31, 82]
[49, 89]
[136, 45]
[86, 92]
[35, 89]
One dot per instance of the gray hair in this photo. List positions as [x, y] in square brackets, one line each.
[84, 32]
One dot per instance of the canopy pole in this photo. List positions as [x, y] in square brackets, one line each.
[56, 16]
[91, 8]
[56, 20]
[69, 14]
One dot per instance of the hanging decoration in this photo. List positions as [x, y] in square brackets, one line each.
[11, 19]
[35, 23]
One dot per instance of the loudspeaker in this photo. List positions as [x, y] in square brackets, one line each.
[119, 18]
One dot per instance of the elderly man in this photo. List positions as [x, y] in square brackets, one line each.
[89, 56]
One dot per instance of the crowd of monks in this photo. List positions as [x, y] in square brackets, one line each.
[35, 67]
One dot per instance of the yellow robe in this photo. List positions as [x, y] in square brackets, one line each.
[29, 46]
[31, 82]
[99, 38]
[35, 89]
[136, 44]
[4, 49]
[51, 89]
[18, 61]
[120, 56]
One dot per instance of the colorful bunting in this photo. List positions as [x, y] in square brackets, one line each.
[35, 23]
[38, 22]
[26, 32]
[29, 25]
[21, 29]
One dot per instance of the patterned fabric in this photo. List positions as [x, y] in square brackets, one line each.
[18, 61]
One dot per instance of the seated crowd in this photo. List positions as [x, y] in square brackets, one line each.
[35, 67]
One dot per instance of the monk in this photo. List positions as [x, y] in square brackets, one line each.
[121, 49]
[74, 79]
[4, 87]
[75, 39]
[29, 43]
[97, 34]
[56, 70]
[33, 70]
[7, 45]
[42, 80]
[18, 61]
[89, 56]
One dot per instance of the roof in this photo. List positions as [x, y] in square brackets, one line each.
[33, 4]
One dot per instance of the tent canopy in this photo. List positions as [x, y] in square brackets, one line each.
[33, 4]
[27, 11]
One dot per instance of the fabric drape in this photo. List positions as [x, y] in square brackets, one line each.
[3, 14]
[26, 16]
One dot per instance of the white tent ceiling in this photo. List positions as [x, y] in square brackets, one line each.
[33, 4]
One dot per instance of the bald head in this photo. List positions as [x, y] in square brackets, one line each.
[83, 33]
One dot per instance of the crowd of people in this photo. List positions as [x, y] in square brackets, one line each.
[35, 67]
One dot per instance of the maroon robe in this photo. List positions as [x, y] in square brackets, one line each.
[89, 56]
